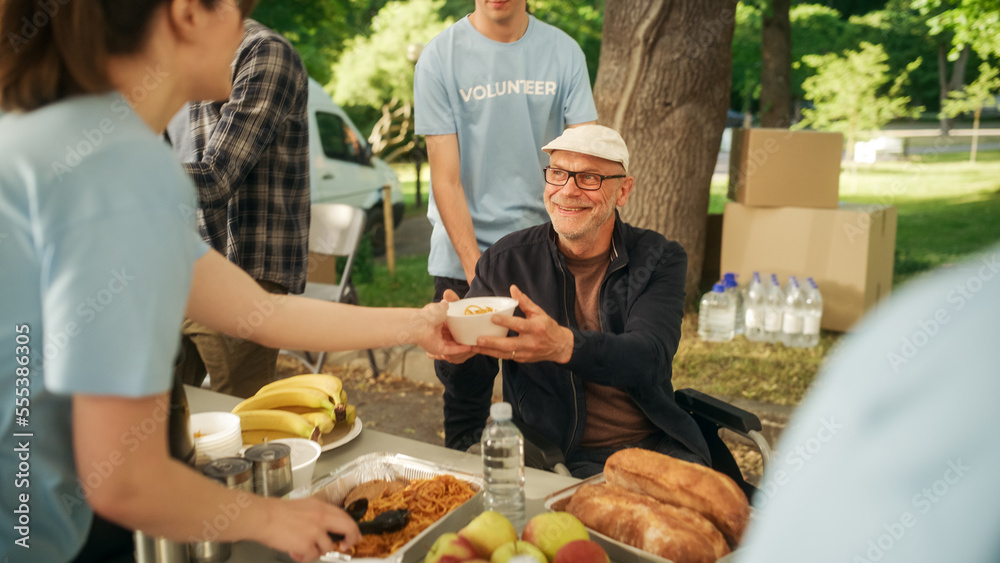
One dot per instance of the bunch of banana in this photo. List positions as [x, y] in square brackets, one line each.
[306, 406]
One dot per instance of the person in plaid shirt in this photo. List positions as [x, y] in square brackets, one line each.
[249, 158]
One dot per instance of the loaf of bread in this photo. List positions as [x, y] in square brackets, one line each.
[673, 481]
[671, 532]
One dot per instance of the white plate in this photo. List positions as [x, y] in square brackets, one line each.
[341, 435]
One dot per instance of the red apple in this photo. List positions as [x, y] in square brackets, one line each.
[487, 532]
[581, 551]
[522, 550]
[551, 530]
[450, 548]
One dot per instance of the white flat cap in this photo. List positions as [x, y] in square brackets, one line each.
[594, 140]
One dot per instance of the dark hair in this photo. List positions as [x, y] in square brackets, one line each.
[58, 48]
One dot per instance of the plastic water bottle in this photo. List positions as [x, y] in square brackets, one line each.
[793, 316]
[813, 315]
[754, 310]
[717, 315]
[774, 305]
[503, 466]
[733, 289]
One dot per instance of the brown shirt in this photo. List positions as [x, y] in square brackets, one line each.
[613, 418]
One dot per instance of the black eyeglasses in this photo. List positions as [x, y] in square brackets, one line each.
[588, 181]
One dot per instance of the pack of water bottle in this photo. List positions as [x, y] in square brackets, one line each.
[790, 315]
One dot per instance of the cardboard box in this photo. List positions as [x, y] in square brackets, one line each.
[322, 269]
[783, 168]
[849, 251]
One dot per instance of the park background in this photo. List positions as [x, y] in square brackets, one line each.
[920, 71]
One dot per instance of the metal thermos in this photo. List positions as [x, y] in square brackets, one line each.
[272, 469]
[179, 429]
[150, 549]
[235, 473]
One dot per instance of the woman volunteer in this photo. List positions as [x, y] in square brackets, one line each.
[98, 253]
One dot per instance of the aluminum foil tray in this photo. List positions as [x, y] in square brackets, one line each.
[616, 550]
[396, 467]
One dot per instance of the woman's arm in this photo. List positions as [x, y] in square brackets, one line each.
[131, 479]
[226, 299]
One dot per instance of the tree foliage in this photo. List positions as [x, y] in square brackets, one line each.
[904, 35]
[981, 93]
[317, 29]
[974, 23]
[746, 57]
[854, 92]
[375, 69]
[581, 20]
[818, 29]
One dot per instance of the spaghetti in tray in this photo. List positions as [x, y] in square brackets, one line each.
[338, 485]
[428, 500]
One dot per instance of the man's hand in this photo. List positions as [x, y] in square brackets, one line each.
[540, 338]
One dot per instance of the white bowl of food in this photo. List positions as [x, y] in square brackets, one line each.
[472, 317]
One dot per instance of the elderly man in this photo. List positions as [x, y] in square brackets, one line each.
[602, 302]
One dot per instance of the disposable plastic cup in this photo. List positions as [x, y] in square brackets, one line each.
[305, 453]
[216, 435]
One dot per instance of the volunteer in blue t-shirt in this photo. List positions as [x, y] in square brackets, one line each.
[100, 258]
[489, 92]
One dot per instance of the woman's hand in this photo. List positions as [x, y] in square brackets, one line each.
[432, 332]
[301, 528]
[458, 353]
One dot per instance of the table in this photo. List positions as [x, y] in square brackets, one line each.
[537, 484]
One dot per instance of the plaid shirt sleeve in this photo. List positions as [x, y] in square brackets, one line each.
[265, 88]
[252, 162]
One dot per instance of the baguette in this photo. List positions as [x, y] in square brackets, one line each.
[673, 481]
[671, 532]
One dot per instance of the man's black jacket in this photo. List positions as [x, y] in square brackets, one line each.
[641, 307]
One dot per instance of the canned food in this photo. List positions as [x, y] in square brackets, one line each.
[272, 469]
[233, 472]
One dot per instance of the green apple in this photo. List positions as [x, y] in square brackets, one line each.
[487, 532]
[525, 550]
[551, 530]
[450, 548]
[581, 551]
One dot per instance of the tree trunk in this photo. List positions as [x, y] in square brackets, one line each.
[776, 67]
[663, 82]
[956, 81]
[975, 133]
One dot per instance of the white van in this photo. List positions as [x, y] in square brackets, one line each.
[342, 168]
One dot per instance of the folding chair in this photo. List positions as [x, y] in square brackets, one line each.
[335, 231]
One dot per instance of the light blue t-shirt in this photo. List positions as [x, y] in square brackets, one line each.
[97, 245]
[893, 456]
[505, 101]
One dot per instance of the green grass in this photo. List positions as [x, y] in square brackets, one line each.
[947, 209]
[751, 370]
[410, 287]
